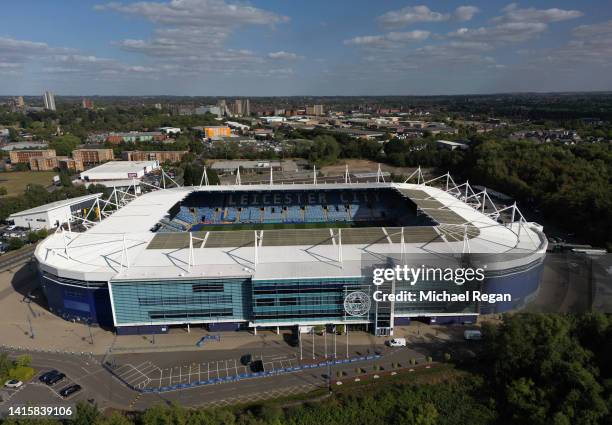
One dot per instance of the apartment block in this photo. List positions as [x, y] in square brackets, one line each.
[23, 156]
[93, 156]
[160, 156]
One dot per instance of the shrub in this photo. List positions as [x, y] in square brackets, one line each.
[22, 373]
[24, 360]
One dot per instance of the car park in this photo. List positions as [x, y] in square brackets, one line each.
[55, 379]
[13, 383]
[69, 390]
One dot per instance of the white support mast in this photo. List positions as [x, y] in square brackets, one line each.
[204, 178]
[314, 174]
[238, 180]
[340, 246]
[271, 176]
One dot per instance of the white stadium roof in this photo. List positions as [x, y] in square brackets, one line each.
[116, 247]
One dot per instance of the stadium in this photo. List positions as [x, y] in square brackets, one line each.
[278, 255]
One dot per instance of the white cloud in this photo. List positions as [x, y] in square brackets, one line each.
[215, 13]
[413, 14]
[22, 47]
[410, 15]
[510, 32]
[512, 13]
[389, 40]
[282, 55]
[193, 34]
[465, 13]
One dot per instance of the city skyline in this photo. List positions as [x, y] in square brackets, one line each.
[222, 48]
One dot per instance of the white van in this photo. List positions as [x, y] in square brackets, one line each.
[397, 342]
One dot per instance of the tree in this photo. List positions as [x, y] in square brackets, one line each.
[541, 372]
[14, 243]
[3, 191]
[23, 360]
[85, 414]
[324, 150]
[64, 145]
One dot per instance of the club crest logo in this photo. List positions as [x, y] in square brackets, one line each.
[357, 303]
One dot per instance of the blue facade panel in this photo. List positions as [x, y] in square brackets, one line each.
[78, 300]
[522, 286]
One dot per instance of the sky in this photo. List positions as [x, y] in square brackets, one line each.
[303, 47]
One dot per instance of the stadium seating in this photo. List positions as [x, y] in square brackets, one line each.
[317, 206]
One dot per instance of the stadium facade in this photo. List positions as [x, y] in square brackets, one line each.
[190, 255]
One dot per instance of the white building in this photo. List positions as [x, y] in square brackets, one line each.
[54, 214]
[119, 170]
[170, 130]
[451, 146]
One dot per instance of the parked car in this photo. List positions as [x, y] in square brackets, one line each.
[257, 366]
[246, 359]
[55, 379]
[397, 342]
[47, 375]
[13, 383]
[65, 392]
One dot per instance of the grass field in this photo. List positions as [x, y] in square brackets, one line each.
[16, 181]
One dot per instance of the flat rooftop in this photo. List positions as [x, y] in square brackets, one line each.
[121, 167]
[57, 204]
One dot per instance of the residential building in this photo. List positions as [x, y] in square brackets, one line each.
[23, 156]
[241, 107]
[49, 100]
[160, 156]
[70, 164]
[314, 110]
[43, 163]
[135, 136]
[92, 156]
[87, 103]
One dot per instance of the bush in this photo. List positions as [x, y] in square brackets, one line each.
[429, 359]
[22, 373]
[447, 357]
[24, 360]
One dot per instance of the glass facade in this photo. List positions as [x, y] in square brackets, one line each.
[301, 300]
[181, 301]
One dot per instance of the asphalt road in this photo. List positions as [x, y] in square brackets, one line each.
[108, 392]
